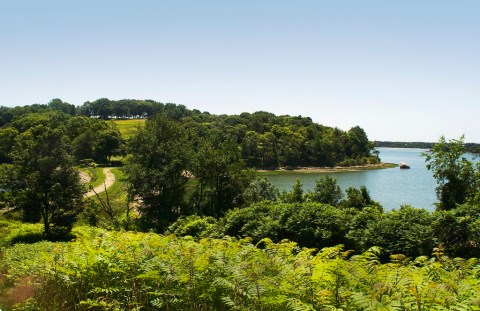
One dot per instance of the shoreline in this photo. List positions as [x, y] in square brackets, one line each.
[329, 169]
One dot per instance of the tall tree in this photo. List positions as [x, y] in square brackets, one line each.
[158, 171]
[326, 191]
[295, 195]
[45, 183]
[454, 173]
[221, 174]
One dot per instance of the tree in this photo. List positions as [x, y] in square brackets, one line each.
[7, 141]
[295, 195]
[457, 230]
[45, 183]
[58, 104]
[221, 174]
[260, 190]
[358, 143]
[455, 174]
[405, 231]
[158, 171]
[108, 143]
[326, 191]
[358, 198]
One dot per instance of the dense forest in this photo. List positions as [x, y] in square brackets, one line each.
[264, 140]
[188, 226]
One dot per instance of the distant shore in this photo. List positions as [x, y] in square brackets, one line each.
[329, 169]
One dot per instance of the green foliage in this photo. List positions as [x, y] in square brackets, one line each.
[7, 141]
[265, 140]
[309, 224]
[108, 143]
[157, 171]
[12, 232]
[95, 139]
[295, 195]
[455, 175]
[43, 181]
[260, 190]
[195, 226]
[457, 230]
[358, 198]
[326, 191]
[132, 271]
[220, 173]
[58, 104]
[405, 231]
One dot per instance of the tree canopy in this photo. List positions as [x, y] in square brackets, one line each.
[42, 180]
[455, 174]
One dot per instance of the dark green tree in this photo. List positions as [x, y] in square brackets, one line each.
[457, 230]
[157, 171]
[295, 195]
[359, 146]
[45, 183]
[107, 143]
[455, 174]
[405, 231]
[221, 175]
[358, 198]
[58, 104]
[260, 190]
[7, 141]
[326, 191]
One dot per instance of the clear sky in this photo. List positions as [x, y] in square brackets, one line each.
[403, 70]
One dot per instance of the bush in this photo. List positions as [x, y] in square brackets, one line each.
[309, 224]
[458, 230]
[405, 231]
[195, 226]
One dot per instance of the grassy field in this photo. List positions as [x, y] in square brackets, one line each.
[128, 128]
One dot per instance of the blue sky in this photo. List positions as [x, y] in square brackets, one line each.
[402, 70]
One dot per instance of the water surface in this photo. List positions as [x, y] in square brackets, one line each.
[392, 187]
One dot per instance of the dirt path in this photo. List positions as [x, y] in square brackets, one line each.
[109, 180]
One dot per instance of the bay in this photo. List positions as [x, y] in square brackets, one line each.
[392, 187]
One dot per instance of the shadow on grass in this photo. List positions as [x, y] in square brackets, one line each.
[34, 237]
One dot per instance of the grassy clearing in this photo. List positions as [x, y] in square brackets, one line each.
[116, 193]
[97, 177]
[128, 128]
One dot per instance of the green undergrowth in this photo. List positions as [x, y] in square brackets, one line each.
[12, 232]
[106, 270]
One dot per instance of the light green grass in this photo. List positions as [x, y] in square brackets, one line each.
[116, 193]
[96, 176]
[129, 128]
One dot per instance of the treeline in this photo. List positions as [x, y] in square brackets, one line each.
[264, 139]
[86, 138]
[469, 147]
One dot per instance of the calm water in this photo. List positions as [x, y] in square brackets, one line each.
[391, 187]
